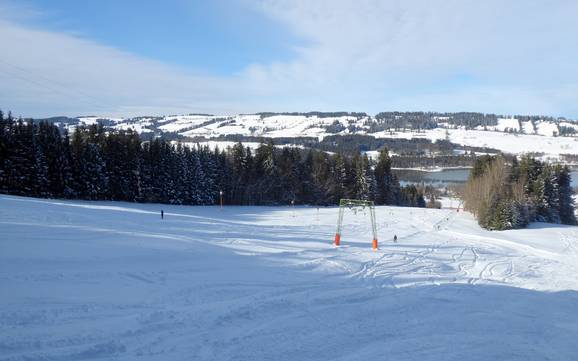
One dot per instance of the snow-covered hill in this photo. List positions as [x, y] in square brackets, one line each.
[106, 280]
[510, 135]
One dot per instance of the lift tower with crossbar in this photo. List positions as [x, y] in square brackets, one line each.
[356, 204]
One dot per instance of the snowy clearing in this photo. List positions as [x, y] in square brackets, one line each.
[111, 280]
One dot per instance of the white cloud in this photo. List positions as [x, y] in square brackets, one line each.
[517, 57]
[63, 73]
[390, 50]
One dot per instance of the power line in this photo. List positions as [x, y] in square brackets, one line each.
[48, 84]
[56, 86]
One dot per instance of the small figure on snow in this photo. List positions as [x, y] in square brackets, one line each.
[395, 238]
[162, 214]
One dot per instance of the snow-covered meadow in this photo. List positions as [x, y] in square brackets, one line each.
[110, 280]
[529, 138]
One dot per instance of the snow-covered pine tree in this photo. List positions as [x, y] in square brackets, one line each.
[49, 140]
[6, 139]
[134, 165]
[189, 160]
[361, 185]
[565, 195]
[546, 196]
[239, 173]
[305, 190]
[65, 164]
[22, 174]
[40, 169]
[181, 194]
[371, 181]
[268, 186]
[169, 168]
[311, 188]
[554, 198]
[209, 184]
[336, 181]
[384, 179]
[94, 174]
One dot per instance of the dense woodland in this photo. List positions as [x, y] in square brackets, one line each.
[39, 159]
[430, 120]
[408, 153]
[416, 152]
[510, 193]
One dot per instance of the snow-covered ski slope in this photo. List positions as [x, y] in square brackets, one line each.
[112, 281]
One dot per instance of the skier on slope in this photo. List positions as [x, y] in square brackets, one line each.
[395, 238]
[162, 214]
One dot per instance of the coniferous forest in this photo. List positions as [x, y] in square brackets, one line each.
[37, 159]
[510, 193]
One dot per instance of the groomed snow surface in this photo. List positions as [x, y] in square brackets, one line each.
[112, 281]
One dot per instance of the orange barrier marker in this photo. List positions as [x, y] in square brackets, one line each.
[375, 244]
[337, 239]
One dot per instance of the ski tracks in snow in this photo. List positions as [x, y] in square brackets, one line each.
[206, 283]
[440, 255]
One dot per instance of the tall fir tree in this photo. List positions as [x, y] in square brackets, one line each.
[385, 182]
[567, 207]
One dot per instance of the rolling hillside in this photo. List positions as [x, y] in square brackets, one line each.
[545, 136]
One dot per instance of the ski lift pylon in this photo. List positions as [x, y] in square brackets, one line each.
[355, 204]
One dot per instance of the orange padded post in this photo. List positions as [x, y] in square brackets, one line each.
[375, 244]
[337, 239]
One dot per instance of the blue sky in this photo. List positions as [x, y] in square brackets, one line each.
[221, 37]
[128, 58]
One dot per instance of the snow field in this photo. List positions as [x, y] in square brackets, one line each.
[505, 124]
[528, 139]
[111, 280]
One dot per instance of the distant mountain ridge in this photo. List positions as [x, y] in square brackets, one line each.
[512, 134]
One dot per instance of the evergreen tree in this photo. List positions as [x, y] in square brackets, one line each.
[36, 159]
[94, 173]
[506, 196]
[65, 166]
[169, 175]
[565, 195]
[239, 171]
[268, 188]
[336, 184]
[361, 184]
[321, 173]
[6, 147]
[90, 167]
[384, 179]
[209, 172]
[546, 196]
[22, 174]
[40, 180]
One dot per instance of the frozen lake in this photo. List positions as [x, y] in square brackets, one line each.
[445, 177]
